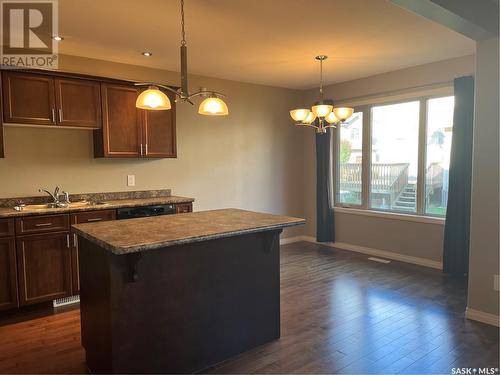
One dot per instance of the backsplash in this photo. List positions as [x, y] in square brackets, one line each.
[96, 197]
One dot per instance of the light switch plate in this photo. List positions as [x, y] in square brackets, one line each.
[496, 282]
[131, 180]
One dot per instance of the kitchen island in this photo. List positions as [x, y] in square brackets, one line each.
[178, 293]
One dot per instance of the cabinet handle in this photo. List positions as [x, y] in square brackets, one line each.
[75, 240]
[43, 224]
[146, 148]
[60, 114]
[95, 219]
[141, 150]
[53, 115]
[67, 241]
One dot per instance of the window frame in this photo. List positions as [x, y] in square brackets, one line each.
[366, 110]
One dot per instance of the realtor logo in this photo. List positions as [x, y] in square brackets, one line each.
[27, 30]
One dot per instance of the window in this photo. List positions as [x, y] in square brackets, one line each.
[393, 180]
[437, 154]
[350, 158]
[404, 165]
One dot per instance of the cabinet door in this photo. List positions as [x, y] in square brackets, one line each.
[121, 123]
[8, 279]
[182, 208]
[44, 267]
[2, 153]
[159, 132]
[84, 217]
[28, 98]
[7, 228]
[78, 102]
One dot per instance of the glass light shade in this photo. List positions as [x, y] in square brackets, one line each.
[299, 115]
[331, 118]
[343, 113]
[213, 106]
[309, 119]
[153, 99]
[322, 110]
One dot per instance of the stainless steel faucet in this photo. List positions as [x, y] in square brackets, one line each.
[55, 198]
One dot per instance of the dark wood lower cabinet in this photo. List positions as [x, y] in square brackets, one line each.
[8, 277]
[182, 208]
[78, 218]
[44, 267]
[39, 256]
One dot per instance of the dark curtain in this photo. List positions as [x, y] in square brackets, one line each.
[324, 190]
[456, 230]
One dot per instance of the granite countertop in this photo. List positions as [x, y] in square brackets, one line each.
[9, 212]
[135, 235]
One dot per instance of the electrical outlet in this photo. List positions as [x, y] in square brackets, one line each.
[496, 282]
[131, 180]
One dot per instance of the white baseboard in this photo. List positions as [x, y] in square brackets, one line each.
[369, 251]
[482, 317]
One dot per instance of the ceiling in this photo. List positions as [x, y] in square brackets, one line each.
[270, 42]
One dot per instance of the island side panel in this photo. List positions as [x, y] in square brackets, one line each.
[95, 308]
[184, 308]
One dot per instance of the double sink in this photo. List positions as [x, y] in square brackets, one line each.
[56, 202]
[45, 206]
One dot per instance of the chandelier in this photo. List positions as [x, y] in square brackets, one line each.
[323, 114]
[155, 99]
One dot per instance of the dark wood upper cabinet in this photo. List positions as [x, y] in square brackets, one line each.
[2, 153]
[121, 123]
[41, 99]
[159, 132]
[104, 104]
[44, 267]
[78, 102]
[28, 98]
[8, 278]
[128, 132]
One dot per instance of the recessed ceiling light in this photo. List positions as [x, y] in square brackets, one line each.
[57, 38]
[147, 54]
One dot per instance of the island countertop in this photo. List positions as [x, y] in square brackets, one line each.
[142, 234]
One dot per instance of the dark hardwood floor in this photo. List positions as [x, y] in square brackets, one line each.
[341, 314]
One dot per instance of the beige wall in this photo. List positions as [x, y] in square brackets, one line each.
[251, 159]
[415, 239]
[484, 235]
[421, 240]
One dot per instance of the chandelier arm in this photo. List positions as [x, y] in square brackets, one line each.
[330, 126]
[203, 92]
[141, 84]
[308, 125]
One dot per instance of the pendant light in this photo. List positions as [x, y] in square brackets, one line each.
[155, 99]
[323, 111]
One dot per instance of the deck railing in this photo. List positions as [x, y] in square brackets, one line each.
[386, 178]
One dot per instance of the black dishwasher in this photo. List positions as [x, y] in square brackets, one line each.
[145, 211]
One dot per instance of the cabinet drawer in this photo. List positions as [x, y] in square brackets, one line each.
[6, 227]
[182, 208]
[93, 216]
[40, 224]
